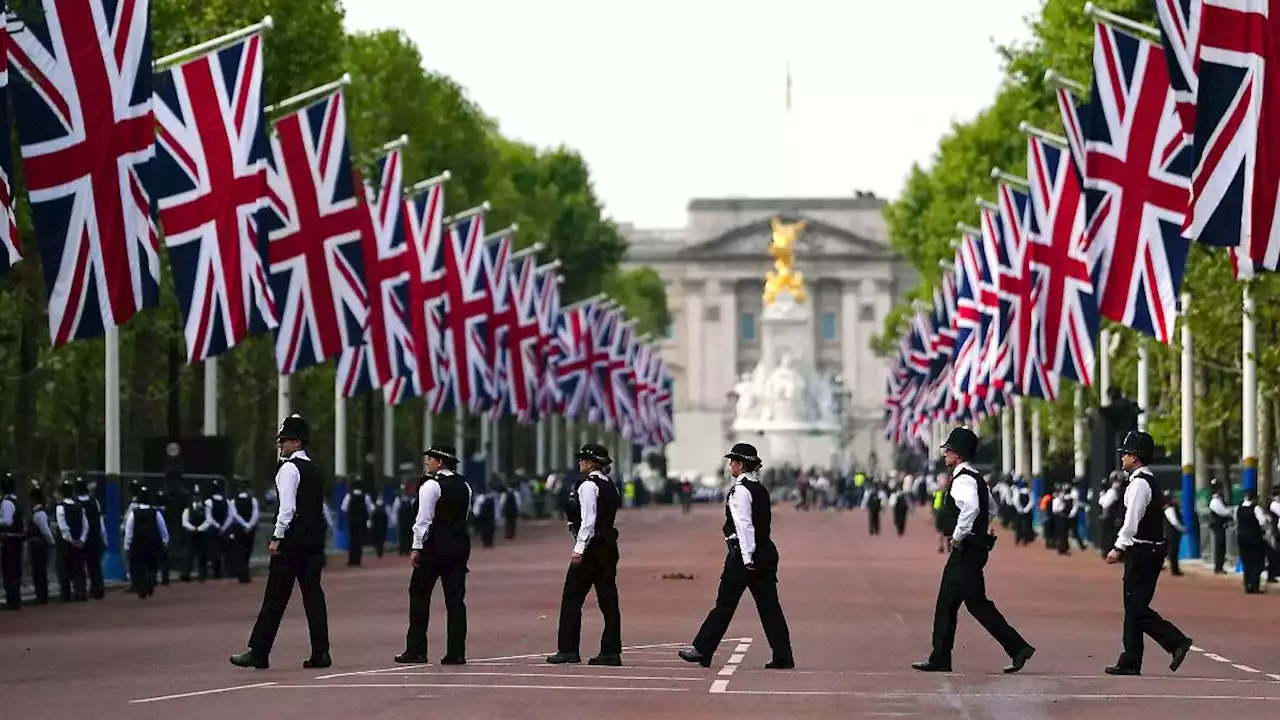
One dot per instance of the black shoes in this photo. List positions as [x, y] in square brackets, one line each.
[694, 656]
[408, 658]
[250, 659]
[609, 660]
[1019, 660]
[561, 658]
[776, 664]
[1118, 670]
[450, 660]
[1179, 655]
[930, 666]
[317, 661]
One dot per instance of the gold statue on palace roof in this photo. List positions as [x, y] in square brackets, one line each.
[784, 276]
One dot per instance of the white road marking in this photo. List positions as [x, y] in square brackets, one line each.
[1008, 696]
[179, 696]
[1245, 668]
[464, 686]
[1197, 648]
[1216, 658]
[731, 665]
[1273, 677]
[543, 675]
[736, 658]
[528, 656]
[728, 670]
[720, 686]
[743, 647]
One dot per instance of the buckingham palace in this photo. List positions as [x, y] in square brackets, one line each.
[715, 269]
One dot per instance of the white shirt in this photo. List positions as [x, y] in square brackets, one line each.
[250, 522]
[231, 510]
[1059, 504]
[60, 517]
[1219, 508]
[287, 479]
[1275, 508]
[102, 518]
[368, 506]
[964, 490]
[128, 526]
[428, 495]
[190, 527]
[8, 509]
[1171, 515]
[1108, 498]
[40, 517]
[1022, 501]
[1136, 499]
[740, 511]
[588, 494]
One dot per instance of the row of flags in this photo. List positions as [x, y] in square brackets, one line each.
[1165, 148]
[269, 227]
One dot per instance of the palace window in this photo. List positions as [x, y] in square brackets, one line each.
[747, 327]
[867, 313]
[829, 326]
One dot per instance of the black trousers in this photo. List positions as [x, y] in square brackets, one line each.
[234, 557]
[486, 528]
[509, 528]
[873, 521]
[1142, 563]
[355, 543]
[963, 583]
[38, 556]
[1108, 532]
[162, 565]
[598, 569]
[1050, 530]
[144, 561]
[216, 548]
[1173, 541]
[297, 565]
[197, 556]
[93, 567]
[404, 534]
[900, 521]
[71, 572]
[378, 535]
[1219, 547]
[1253, 555]
[1026, 528]
[1062, 533]
[763, 584]
[11, 569]
[1273, 560]
[451, 573]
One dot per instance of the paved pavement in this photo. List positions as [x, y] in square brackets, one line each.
[859, 608]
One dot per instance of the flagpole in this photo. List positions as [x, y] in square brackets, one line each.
[282, 396]
[540, 431]
[1144, 390]
[496, 441]
[428, 423]
[1078, 434]
[211, 45]
[308, 95]
[998, 174]
[504, 232]
[1062, 82]
[1037, 452]
[1044, 135]
[1190, 520]
[1006, 440]
[459, 433]
[480, 209]
[1119, 21]
[113, 561]
[211, 396]
[1020, 458]
[340, 464]
[388, 439]
[427, 184]
[1249, 404]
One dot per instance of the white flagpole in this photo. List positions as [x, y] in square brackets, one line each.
[282, 396]
[496, 440]
[339, 434]
[1006, 440]
[428, 424]
[1249, 402]
[388, 439]
[1020, 438]
[553, 442]
[459, 432]
[1077, 432]
[1144, 391]
[211, 396]
[540, 462]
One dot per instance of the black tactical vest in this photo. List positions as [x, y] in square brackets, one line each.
[33, 530]
[92, 516]
[146, 529]
[949, 514]
[1151, 525]
[18, 528]
[308, 528]
[244, 506]
[761, 512]
[448, 533]
[219, 510]
[357, 511]
[608, 500]
[73, 514]
[1248, 529]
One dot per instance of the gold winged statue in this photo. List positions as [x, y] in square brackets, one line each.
[784, 276]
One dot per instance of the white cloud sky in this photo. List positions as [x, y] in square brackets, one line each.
[670, 100]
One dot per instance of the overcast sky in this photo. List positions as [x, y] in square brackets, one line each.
[670, 100]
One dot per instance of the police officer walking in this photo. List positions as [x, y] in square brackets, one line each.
[1219, 518]
[751, 564]
[358, 506]
[966, 513]
[441, 549]
[96, 544]
[39, 540]
[12, 535]
[1172, 532]
[594, 561]
[198, 525]
[145, 537]
[405, 509]
[1251, 523]
[73, 536]
[297, 552]
[1140, 544]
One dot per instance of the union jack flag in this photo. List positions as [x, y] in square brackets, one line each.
[465, 314]
[1015, 287]
[211, 169]
[424, 222]
[1180, 37]
[969, 321]
[574, 371]
[498, 250]
[315, 222]
[390, 265]
[10, 252]
[645, 362]
[622, 348]
[1137, 170]
[991, 245]
[664, 401]
[84, 115]
[549, 396]
[601, 408]
[1067, 312]
[1072, 113]
[524, 366]
[1236, 182]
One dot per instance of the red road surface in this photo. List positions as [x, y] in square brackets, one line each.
[860, 610]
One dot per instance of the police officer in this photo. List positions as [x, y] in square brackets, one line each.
[219, 510]
[39, 540]
[509, 509]
[1024, 505]
[1172, 532]
[12, 534]
[1111, 511]
[244, 530]
[297, 552]
[1140, 544]
[197, 522]
[145, 536]
[751, 564]
[96, 544]
[485, 513]
[874, 503]
[378, 524]
[405, 509]
[967, 511]
[1251, 523]
[1219, 518]
[358, 506]
[441, 548]
[594, 561]
[73, 537]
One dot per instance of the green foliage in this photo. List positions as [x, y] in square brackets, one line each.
[55, 418]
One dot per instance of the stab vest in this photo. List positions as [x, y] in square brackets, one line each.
[146, 529]
[308, 528]
[448, 533]
[608, 500]
[73, 513]
[509, 510]
[1151, 525]
[93, 516]
[761, 512]
[873, 502]
[244, 506]
[949, 515]
[219, 510]
[18, 528]
[197, 514]
[408, 509]
[1248, 529]
[357, 511]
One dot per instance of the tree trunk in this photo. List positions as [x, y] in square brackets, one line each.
[173, 397]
